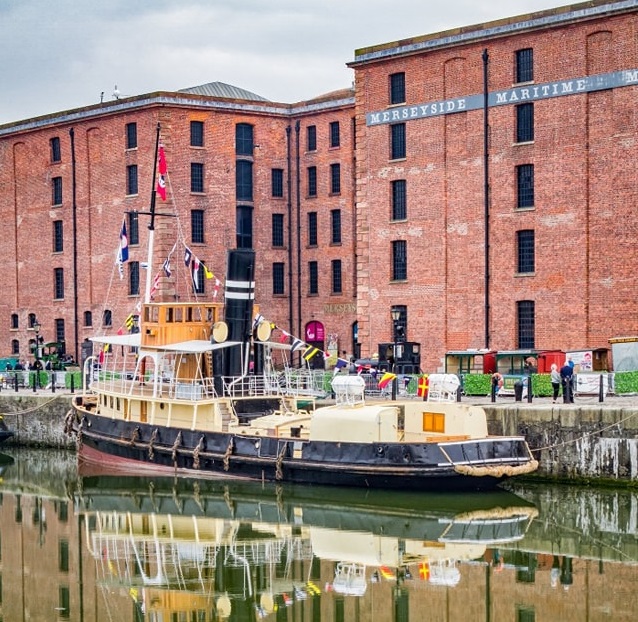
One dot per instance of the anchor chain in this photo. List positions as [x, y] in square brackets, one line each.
[176, 444]
[196, 451]
[151, 451]
[227, 454]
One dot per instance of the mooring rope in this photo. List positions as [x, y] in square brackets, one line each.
[30, 410]
[196, 451]
[279, 473]
[227, 454]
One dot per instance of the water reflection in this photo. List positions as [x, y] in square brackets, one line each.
[163, 550]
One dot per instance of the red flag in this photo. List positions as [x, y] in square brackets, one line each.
[161, 182]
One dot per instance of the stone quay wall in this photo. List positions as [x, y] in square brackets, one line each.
[597, 442]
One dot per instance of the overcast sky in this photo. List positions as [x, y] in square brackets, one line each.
[61, 54]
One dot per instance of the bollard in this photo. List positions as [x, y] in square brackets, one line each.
[72, 384]
[15, 381]
[529, 389]
[601, 391]
[35, 382]
[458, 394]
[52, 382]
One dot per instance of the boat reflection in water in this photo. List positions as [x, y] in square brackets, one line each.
[239, 551]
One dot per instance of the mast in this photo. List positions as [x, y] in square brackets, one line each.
[151, 226]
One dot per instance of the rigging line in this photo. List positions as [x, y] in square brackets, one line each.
[586, 434]
[29, 410]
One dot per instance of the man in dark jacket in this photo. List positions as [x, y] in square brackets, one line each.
[567, 380]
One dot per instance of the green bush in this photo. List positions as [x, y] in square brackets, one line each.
[626, 382]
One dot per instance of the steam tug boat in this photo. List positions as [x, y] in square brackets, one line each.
[196, 395]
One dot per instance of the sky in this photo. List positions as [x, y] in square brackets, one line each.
[63, 54]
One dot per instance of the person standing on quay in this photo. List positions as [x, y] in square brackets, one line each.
[555, 380]
[567, 376]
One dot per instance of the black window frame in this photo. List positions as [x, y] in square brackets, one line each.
[525, 251]
[132, 186]
[56, 190]
[278, 280]
[398, 147]
[335, 134]
[58, 283]
[399, 260]
[335, 178]
[197, 177]
[313, 229]
[133, 278]
[525, 122]
[199, 283]
[59, 330]
[58, 236]
[56, 150]
[197, 226]
[524, 65]
[107, 317]
[197, 134]
[399, 199]
[526, 324]
[130, 132]
[311, 138]
[397, 88]
[244, 139]
[88, 319]
[277, 230]
[312, 181]
[133, 228]
[244, 226]
[313, 278]
[15, 321]
[525, 185]
[243, 180]
[335, 226]
[337, 276]
[277, 183]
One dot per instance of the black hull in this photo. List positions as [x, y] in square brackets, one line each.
[110, 446]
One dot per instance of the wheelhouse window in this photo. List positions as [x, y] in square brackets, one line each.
[525, 244]
[197, 133]
[397, 88]
[399, 200]
[524, 123]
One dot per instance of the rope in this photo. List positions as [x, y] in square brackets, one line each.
[176, 444]
[196, 451]
[227, 454]
[585, 435]
[30, 410]
[279, 472]
[151, 451]
[135, 436]
[497, 470]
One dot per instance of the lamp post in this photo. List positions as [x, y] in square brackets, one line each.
[36, 329]
[396, 316]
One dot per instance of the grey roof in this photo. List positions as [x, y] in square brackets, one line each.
[220, 89]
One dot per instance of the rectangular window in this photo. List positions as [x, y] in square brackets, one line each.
[244, 180]
[336, 276]
[58, 283]
[58, 236]
[335, 222]
[131, 179]
[278, 279]
[107, 317]
[63, 555]
[524, 123]
[59, 330]
[335, 178]
[335, 139]
[525, 185]
[64, 602]
[133, 228]
[397, 88]
[313, 278]
[525, 243]
[311, 138]
[88, 318]
[312, 181]
[277, 177]
[197, 177]
[197, 226]
[56, 185]
[524, 65]
[525, 320]
[399, 260]
[197, 274]
[278, 230]
[244, 139]
[397, 141]
[131, 135]
[133, 278]
[197, 133]
[56, 151]
[399, 200]
[244, 226]
[312, 228]
[400, 325]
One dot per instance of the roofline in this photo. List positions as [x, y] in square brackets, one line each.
[498, 28]
[321, 104]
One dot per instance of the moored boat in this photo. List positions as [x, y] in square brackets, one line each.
[194, 394]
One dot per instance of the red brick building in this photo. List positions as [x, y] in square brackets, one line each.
[242, 172]
[513, 231]
[491, 174]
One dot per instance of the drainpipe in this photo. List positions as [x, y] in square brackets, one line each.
[76, 334]
[298, 181]
[486, 197]
[289, 208]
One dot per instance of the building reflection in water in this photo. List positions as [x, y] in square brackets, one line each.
[161, 550]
